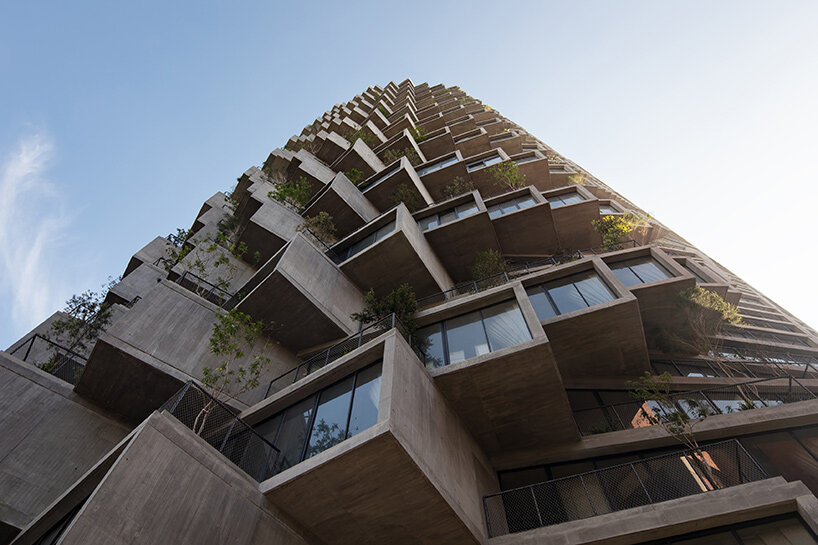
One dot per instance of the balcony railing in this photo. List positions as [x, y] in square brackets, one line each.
[718, 400]
[219, 426]
[652, 480]
[204, 289]
[750, 367]
[337, 350]
[53, 358]
[514, 270]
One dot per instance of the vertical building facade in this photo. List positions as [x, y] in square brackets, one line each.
[500, 410]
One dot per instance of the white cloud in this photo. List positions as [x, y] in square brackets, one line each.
[32, 223]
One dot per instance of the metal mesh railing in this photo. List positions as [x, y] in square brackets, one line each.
[718, 400]
[756, 367]
[514, 270]
[337, 350]
[204, 289]
[652, 480]
[214, 422]
[51, 357]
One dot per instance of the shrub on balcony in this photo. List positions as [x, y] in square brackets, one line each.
[355, 176]
[293, 193]
[418, 133]
[703, 315]
[401, 301]
[487, 263]
[390, 156]
[459, 186]
[321, 227]
[507, 175]
[87, 316]
[404, 194]
[613, 229]
[368, 138]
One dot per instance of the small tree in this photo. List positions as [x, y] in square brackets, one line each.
[294, 193]
[613, 229]
[87, 317]
[355, 176]
[321, 227]
[404, 194]
[235, 341]
[576, 179]
[382, 109]
[703, 316]
[507, 175]
[390, 156]
[487, 263]
[418, 133]
[367, 137]
[401, 301]
[458, 186]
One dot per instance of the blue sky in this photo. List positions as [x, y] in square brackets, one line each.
[117, 120]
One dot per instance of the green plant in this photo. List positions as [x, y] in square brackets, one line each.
[87, 315]
[382, 109]
[404, 194]
[659, 407]
[295, 193]
[458, 186]
[390, 156]
[321, 227]
[703, 316]
[235, 342]
[418, 133]
[487, 263]
[355, 176]
[401, 301]
[613, 229]
[367, 137]
[576, 179]
[507, 175]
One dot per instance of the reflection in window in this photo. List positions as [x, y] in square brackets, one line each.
[381, 178]
[441, 218]
[369, 240]
[526, 159]
[468, 136]
[437, 166]
[506, 207]
[324, 419]
[473, 334]
[568, 294]
[482, 163]
[639, 271]
[607, 209]
[564, 199]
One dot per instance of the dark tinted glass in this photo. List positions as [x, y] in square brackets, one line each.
[505, 325]
[294, 432]
[365, 402]
[330, 423]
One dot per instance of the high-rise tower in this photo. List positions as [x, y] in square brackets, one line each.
[415, 323]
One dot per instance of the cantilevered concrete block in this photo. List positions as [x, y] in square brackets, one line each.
[342, 200]
[160, 344]
[333, 146]
[305, 294]
[268, 230]
[473, 142]
[152, 253]
[399, 143]
[385, 188]
[417, 465]
[358, 157]
[305, 164]
[523, 211]
[573, 210]
[437, 143]
[391, 251]
[441, 172]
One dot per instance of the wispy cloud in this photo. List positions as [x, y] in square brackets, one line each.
[32, 223]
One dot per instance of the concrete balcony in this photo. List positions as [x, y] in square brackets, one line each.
[523, 211]
[151, 254]
[333, 146]
[399, 143]
[343, 126]
[437, 143]
[593, 322]
[153, 349]
[655, 279]
[432, 122]
[268, 229]
[313, 299]
[388, 252]
[342, 200]
[481, 175]
[494, 126]
[307, 165]
[438, 173]
[462, 125]
[507, 389]
[573, 210]
[561, 174]
[381, 189]
[278, 160]
[473, 142]
[416, 464]
[397, 126]
[457, 230]
[533, 165]
[358, 157]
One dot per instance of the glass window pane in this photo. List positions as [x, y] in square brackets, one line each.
[466, 337]
[505, 325]
[625, 275]
[294, 431]
[508, 206]
[594, 290]
[447, 216]
[362, 244]
[571, 198]
[365, 403]
[525, 202]
[566, 297]
[466, 209]
[555, 202]
[428, 223]
[542, 306]
[269, 428]
[607, 209]
[494, 211]
[330, 424]
[492, 160]
[430, 339]
[650, 271]
[385, 231]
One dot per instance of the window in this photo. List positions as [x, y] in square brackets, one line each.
[369, 240]
[606, 209]
[568, 294]
[324, 419]
[467, 136]
[473, 334]
[506, 207]
[502, 136]
[699, 278]
[381, 178]
[441, 218]
[487, 122]
[641, 270]
[437, 166]
[564, 199]
[482, 163]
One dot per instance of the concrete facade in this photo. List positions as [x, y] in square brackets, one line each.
[467, 424]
